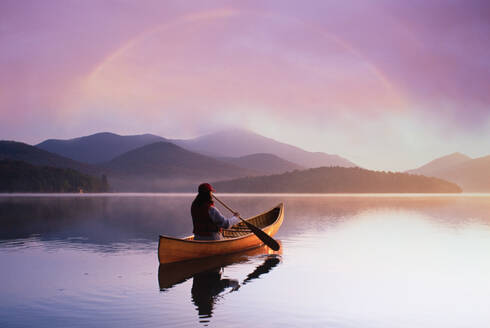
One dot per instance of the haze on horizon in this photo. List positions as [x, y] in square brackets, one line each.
[388, 85]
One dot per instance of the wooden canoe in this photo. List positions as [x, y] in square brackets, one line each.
[237, 238]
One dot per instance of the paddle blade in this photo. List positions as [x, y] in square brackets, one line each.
[266, 239]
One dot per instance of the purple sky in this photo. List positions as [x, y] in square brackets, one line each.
[387, 84]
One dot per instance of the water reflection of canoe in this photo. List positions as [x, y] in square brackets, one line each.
[236, 239]
[171, 274]
[208, 280]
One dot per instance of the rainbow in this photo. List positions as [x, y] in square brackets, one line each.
[220, 14]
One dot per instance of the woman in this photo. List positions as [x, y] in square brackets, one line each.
[208, 221]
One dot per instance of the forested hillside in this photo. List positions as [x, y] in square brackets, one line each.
[18, 176]
[338, 180]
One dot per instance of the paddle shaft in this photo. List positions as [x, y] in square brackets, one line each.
[265, 238]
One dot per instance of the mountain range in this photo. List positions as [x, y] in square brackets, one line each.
[154, 163]
[163, 166]
[148, 162]
[440, 164]
[99, 147]
[103, 147]
[472, 174]
[264, 163]
[13, 150]
[159, 166]
[238, 142]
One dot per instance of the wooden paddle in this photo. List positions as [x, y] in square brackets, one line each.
[265, 238]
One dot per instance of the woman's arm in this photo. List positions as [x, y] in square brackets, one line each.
[220, 220]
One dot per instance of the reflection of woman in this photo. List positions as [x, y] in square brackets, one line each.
[206, 288]
[206, 218]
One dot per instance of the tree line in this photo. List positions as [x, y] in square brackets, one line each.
[19, 176]
[338, 180]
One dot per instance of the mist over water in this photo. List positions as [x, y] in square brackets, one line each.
[346, 261]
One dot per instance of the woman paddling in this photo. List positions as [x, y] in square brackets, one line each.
[207, 220]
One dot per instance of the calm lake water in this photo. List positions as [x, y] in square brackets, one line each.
[346, 261]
